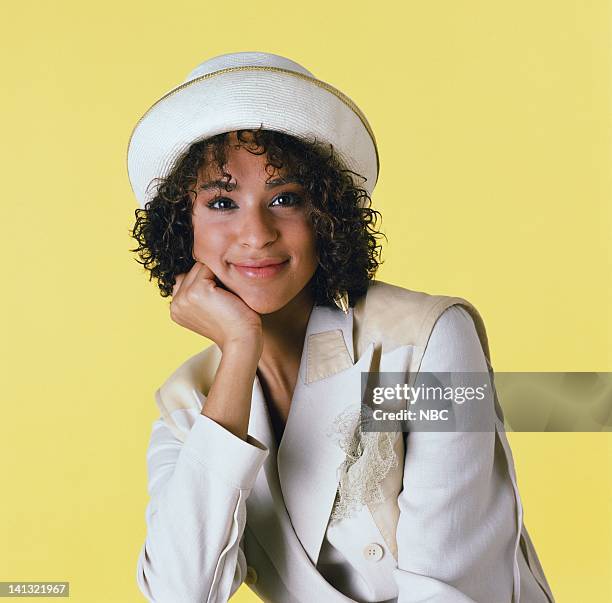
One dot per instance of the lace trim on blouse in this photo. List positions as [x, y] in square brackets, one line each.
[369, 458]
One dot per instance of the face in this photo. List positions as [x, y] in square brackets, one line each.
[257, 239]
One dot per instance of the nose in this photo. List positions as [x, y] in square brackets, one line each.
[257, 228]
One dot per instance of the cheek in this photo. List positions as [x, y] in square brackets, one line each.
[306, 240]
[208, 240]
[198, 234]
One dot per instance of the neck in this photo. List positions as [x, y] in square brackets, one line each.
[284, 332]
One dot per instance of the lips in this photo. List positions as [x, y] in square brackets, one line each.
[261, 268]
[262, 263]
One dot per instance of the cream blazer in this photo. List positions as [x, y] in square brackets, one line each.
[224, 511]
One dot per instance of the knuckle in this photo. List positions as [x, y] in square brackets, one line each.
[175, 308]
[191, 295]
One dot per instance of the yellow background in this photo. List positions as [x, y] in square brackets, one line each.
[493, 125]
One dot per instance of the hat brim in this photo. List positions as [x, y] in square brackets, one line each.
[248, 97]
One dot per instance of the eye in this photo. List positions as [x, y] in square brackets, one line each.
[213, 204]
[294, 199]
[225, 204]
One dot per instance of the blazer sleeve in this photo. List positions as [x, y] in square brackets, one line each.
[457, 529]
[196, 514]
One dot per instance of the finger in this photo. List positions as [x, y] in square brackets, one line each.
[178, 279]
[189, 277]
[183, 279]
[221, 284]
[206, 272]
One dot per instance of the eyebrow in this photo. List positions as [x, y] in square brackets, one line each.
[214, 184]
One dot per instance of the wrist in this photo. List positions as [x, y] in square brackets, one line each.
[244, 345]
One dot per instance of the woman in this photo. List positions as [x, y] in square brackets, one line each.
[259, 471]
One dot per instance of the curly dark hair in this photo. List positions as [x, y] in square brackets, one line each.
[343, 222]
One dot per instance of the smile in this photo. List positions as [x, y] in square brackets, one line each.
[261, 272]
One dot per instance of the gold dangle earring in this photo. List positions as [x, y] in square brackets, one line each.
[341, 300]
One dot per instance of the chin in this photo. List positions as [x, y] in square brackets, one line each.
[265, 303]
[267, 298]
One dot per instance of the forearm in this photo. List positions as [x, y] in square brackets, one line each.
[229, 399]
[197, 513]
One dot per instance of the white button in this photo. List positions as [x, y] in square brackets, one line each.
[373, 552]
[251, 575]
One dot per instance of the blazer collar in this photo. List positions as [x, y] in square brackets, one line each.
[302, 472]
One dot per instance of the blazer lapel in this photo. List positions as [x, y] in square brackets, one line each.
[309, 455]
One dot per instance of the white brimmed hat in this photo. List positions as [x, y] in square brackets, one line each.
[244, 90]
